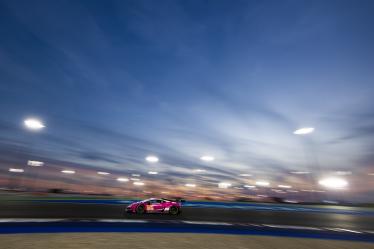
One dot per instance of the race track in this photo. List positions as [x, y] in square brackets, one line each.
[345, 218]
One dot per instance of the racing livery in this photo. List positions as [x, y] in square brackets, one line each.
[154, 205]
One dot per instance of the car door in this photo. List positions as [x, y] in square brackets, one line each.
[157, 206]
[149, 207]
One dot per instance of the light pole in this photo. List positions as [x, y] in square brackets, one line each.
[152, 159]
[207, 158]
[305, 132]
[13, 183]
[34, 125]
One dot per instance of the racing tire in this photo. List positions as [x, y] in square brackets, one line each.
[140, 209]
[174, 210]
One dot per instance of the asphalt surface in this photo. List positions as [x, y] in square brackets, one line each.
[165, 240]
[21, 209]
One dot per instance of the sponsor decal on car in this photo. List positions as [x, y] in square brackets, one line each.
[149, 207]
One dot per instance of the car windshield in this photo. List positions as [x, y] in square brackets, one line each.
[187, 123]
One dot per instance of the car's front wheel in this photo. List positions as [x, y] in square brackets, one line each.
[140, 209]
[174, 210]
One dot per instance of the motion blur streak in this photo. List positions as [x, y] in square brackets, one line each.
[198, 92]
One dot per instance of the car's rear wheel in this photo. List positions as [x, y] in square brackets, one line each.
[140, 209]
[174, 210]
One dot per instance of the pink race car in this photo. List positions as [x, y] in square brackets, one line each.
[154, 205]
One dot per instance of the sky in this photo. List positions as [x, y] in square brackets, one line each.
[116, 81]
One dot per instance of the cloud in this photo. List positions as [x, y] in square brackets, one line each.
[117, 82]
[97, 156]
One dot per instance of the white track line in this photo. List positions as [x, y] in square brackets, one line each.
[249, 225]
[122, 220]
[70, 220]
[29, 220]
[207, 223]
[292, 227]
[342, 230]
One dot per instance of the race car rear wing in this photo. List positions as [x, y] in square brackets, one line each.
[176, 200]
